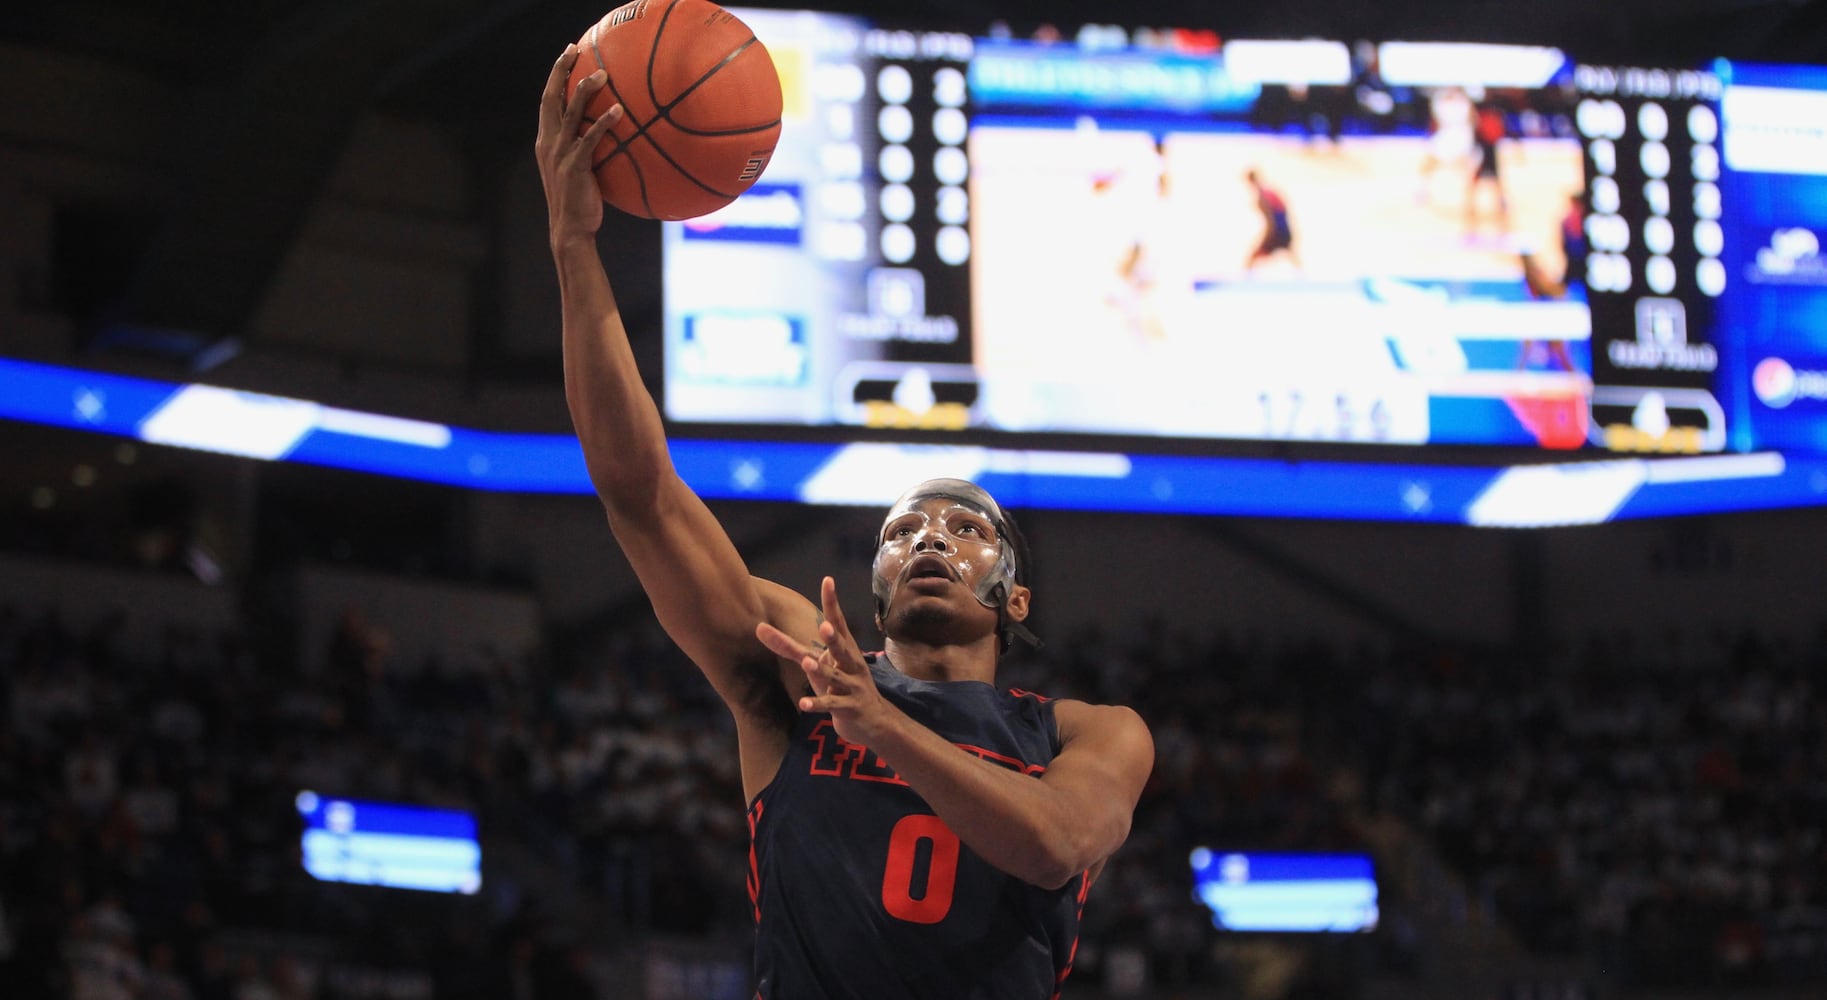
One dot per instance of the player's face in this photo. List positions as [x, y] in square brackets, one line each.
[934, 554]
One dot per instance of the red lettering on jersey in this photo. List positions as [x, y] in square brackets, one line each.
[869, 767]
[835, 757]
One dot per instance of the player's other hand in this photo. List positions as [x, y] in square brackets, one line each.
[836, 670]
[574, 205]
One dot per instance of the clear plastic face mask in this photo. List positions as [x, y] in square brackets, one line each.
[996, 581]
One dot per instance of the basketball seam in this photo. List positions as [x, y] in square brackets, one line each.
[640, 178]
[663, 112]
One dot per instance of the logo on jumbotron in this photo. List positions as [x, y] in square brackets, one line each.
[1778, 383]
[1774, 382]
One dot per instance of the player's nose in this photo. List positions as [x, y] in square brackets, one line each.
[929, 540]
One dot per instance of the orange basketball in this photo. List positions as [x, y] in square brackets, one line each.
[701, 100]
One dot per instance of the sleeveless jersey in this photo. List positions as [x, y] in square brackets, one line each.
[861, 893]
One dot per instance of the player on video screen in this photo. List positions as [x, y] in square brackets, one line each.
[1573, 240]
[1450, 141]
[1542, 288]
[1138, 291]
[1277, 231]
[1488, 130]
[916, 833]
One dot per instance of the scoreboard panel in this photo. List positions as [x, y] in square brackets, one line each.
[1130, 237]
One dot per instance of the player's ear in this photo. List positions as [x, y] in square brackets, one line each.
[1016, 607]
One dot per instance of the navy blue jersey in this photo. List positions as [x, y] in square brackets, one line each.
[861, 893]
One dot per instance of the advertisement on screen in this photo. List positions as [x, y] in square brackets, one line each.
[1774, 374]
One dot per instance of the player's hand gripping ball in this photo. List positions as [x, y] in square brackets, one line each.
[701, 102]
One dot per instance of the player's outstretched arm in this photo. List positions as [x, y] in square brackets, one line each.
[1042, 831]
[700, 588]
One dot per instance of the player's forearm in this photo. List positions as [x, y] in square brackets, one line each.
[1012, 820]
[614, 415]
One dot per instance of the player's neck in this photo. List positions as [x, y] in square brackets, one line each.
[973, 661]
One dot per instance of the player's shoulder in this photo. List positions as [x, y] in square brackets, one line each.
[1082, 718]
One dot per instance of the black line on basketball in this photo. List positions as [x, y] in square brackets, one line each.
[746, 130]
[653, 50]
[666, 109]
[688, 175]
[596, 49]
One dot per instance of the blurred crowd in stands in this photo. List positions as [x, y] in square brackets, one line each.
[1663, 821]
[1660, 812]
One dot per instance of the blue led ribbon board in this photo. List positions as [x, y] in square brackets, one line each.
[1286, 892]
[390, 844]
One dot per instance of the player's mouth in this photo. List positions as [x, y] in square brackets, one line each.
[928, 567]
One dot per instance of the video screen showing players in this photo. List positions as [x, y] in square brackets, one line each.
[1278, 240]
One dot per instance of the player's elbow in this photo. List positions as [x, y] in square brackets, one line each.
[1076, 845]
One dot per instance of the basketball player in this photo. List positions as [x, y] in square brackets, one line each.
[1489, 129]
[1450, 140]
[1277, 232]
[917, 834]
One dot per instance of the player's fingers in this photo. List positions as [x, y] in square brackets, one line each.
[587, 144]
[834, 614]
[552, 101]
[782, 644]
[580, 99]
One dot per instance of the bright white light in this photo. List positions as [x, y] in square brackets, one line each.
[948, 88]
[954, 207]
[894, 123]
[898, 244]
[950, 165]
[897, 203]
[840, 241]
[845, 200]
[234, 423]
[1703, 163]
[896, 164]
[874, 474]
[839, 83]
[1652, 121]
[1702, 124]
[950, 126]
[1658, 234]
[1539, 496]
[954, 245]
[1309, 62]
[1605, 198]
[1710, 277]
[1775, 130]
[841, 161]
[1706, 200]
[840, 122]
[1659, 274]
[894, 84]
[396, 429]
[1654, 158]
[1709, 238]
[1441, 64]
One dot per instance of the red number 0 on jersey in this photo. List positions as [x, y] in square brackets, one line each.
[941, 872]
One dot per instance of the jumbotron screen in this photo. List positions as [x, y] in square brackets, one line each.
[1129, 237]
